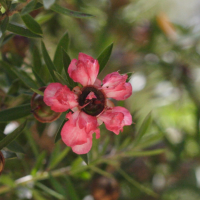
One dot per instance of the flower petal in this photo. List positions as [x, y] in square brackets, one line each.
[83, 148]
[59, 97]
[116, 118]
[71, 133]
[115, 86]
[84, 70]
[88, 122]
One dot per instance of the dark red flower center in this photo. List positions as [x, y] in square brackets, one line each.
[91, 100]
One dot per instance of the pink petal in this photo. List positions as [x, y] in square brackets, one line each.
[84, 70]
[97, 83]
[59, 97]
[88, 122]
[71, 133]
[115, 86]
[127, 114]
[83, 148]
[116, 118]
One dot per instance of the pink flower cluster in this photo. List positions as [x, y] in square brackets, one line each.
[89, 103]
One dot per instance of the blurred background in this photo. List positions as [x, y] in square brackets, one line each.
[159, 43]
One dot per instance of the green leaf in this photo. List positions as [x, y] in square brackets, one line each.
[12, 136]
[143, 128]
[66, 63]
[63, 44]
[39, 80]
[32, 24]
[18, 112]
[137, 185]
[3, 26]
[143, 153]
[15, 147]
[20, 30]
[39, 163]
[37, 62]
[71, 190]
[104, 57]
[58, 136]
[60, 78]
[8, 154]
[49, 191]
[41, 18]
[48, 62]
[59, 158]
[29, 7]
[38, 91]
[85, 158]
[59, 9]
[57, 185]
[25, 78]
[6, 39]
[48, 3]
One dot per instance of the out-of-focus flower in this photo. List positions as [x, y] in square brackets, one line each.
[40, 110]
[89, 103]
[2, 162]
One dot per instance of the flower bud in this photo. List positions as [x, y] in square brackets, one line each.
[2, 162]
[40, 110]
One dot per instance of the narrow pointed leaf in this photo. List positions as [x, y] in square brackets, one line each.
[39, 163]
[38, 91]
[12, 136]
[29, 7]
[63, 44]
[39, 80]
[37, 62]
[104, 57]
[3, 26]
[57, 185]
[59, 158]
[71, 190]
[49, 191]
[143, 153]
[59, 9]
[58, 136]
[18, 112]
[143, 128]
[20, 30]
[48, 62]
[25, 78]
[66, 63]
[60, 78]
[31, 24]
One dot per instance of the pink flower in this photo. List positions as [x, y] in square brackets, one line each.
[89, 103]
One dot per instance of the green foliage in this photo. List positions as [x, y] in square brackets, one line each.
[32, 24]
[104, 57]
[20, 30]
[15, 113]
[161, 60]
[12, 136]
